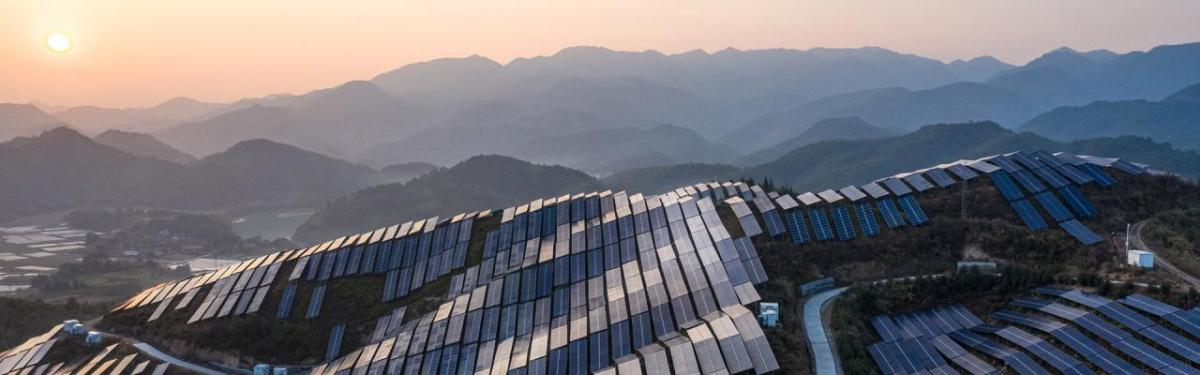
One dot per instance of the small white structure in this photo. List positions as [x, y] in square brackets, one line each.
[74, 327]
[1140, 258]
[262, 369]
[94, 338]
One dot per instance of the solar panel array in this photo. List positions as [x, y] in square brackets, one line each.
[38, 355]
[1042, 174]
[586, 298]
[957, 336]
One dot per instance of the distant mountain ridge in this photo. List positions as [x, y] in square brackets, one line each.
[60, 168]
[143, 145]
[841, 128]
[480, 182]
[1175, 119]
[19, 120]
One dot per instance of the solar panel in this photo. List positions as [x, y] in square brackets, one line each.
[1099, 175]
[1028, 181]
[1053, 206]
[1127, 167]
[1024, 160]
[1081, 232]
[983, 166]
[830, 196]
[1004, 163]
[774, 223]
[917, 182]
[913, 210]
[1028, 214]
[842, 222]
[1074, 174]
[335, 342]
[285, 302]
[962, 172]
[314, 302]
[896, 186]
[875, 191]
[1051, 177]
[852, 193]
[1077, 201]
[1005, 184]
[866, 219]
[821, 228]
[891, 213]
[939, 177]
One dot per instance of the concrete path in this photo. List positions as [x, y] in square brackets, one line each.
[824, 360]
[153, 352]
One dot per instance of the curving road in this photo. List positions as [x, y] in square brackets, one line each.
[1136, 241]
[824, 360]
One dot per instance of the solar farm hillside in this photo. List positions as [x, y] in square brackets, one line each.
[626, 283]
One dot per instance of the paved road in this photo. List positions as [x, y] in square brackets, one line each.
[153, 352]
[823, 359]
[1136, 241]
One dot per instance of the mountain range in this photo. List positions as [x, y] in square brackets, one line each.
[61, 168]
[1175, 119]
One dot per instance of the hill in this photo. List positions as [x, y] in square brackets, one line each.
[140, 144]
[655, 180]
[1067, 77]
[406, 171]
[22, 120]
[609, 151]
[333, 121]
[837, 163]
[61, 168]
[892, 108]
[474, 184]
[95, 119]
[824, 130]
[1175, 120]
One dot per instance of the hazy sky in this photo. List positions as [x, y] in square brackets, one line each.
[140, 52]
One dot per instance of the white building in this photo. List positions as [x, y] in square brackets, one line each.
[1140, 258]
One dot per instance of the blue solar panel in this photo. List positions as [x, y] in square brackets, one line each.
[913, 210]
[887, 364]
[1081, 232]
[285, 303]
[335, 342]
[888, 331]
[1074, 174]
[1026, 179]
[598, 350]
[891, 214]
[796, 227]
[1077, 201]
[1005, 184]
[842, 222]
[1052, 205]
[774, 223]
[1051, 177]
[940, 177]
[820, 222]
[866, 219]
[314, 303]
[389, 285]
[1099, 175]
[1028, 214]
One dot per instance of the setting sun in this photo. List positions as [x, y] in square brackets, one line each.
[58, 42]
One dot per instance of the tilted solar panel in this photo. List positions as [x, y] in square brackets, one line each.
[1099, 175]
[1028, 214]
[797, 228]
[1051, 177]
[1053, 206]
[822, 231]
[940, 177]
[866, 218]
[1077, 201]
[913, 210]
[896, 186]
[1074, 174]
[1005, 184]
[875, 190]
[891, 213]
[918, 182]
[842, 222]
[963, 172]
[1028, 181]
[1081, 232]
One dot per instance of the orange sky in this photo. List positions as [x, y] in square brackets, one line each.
[140, 52]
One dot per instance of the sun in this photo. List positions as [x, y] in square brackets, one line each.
[58, 42]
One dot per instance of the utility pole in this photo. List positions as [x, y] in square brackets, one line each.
[963, 200]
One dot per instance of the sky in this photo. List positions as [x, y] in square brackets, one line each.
[142, 52]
